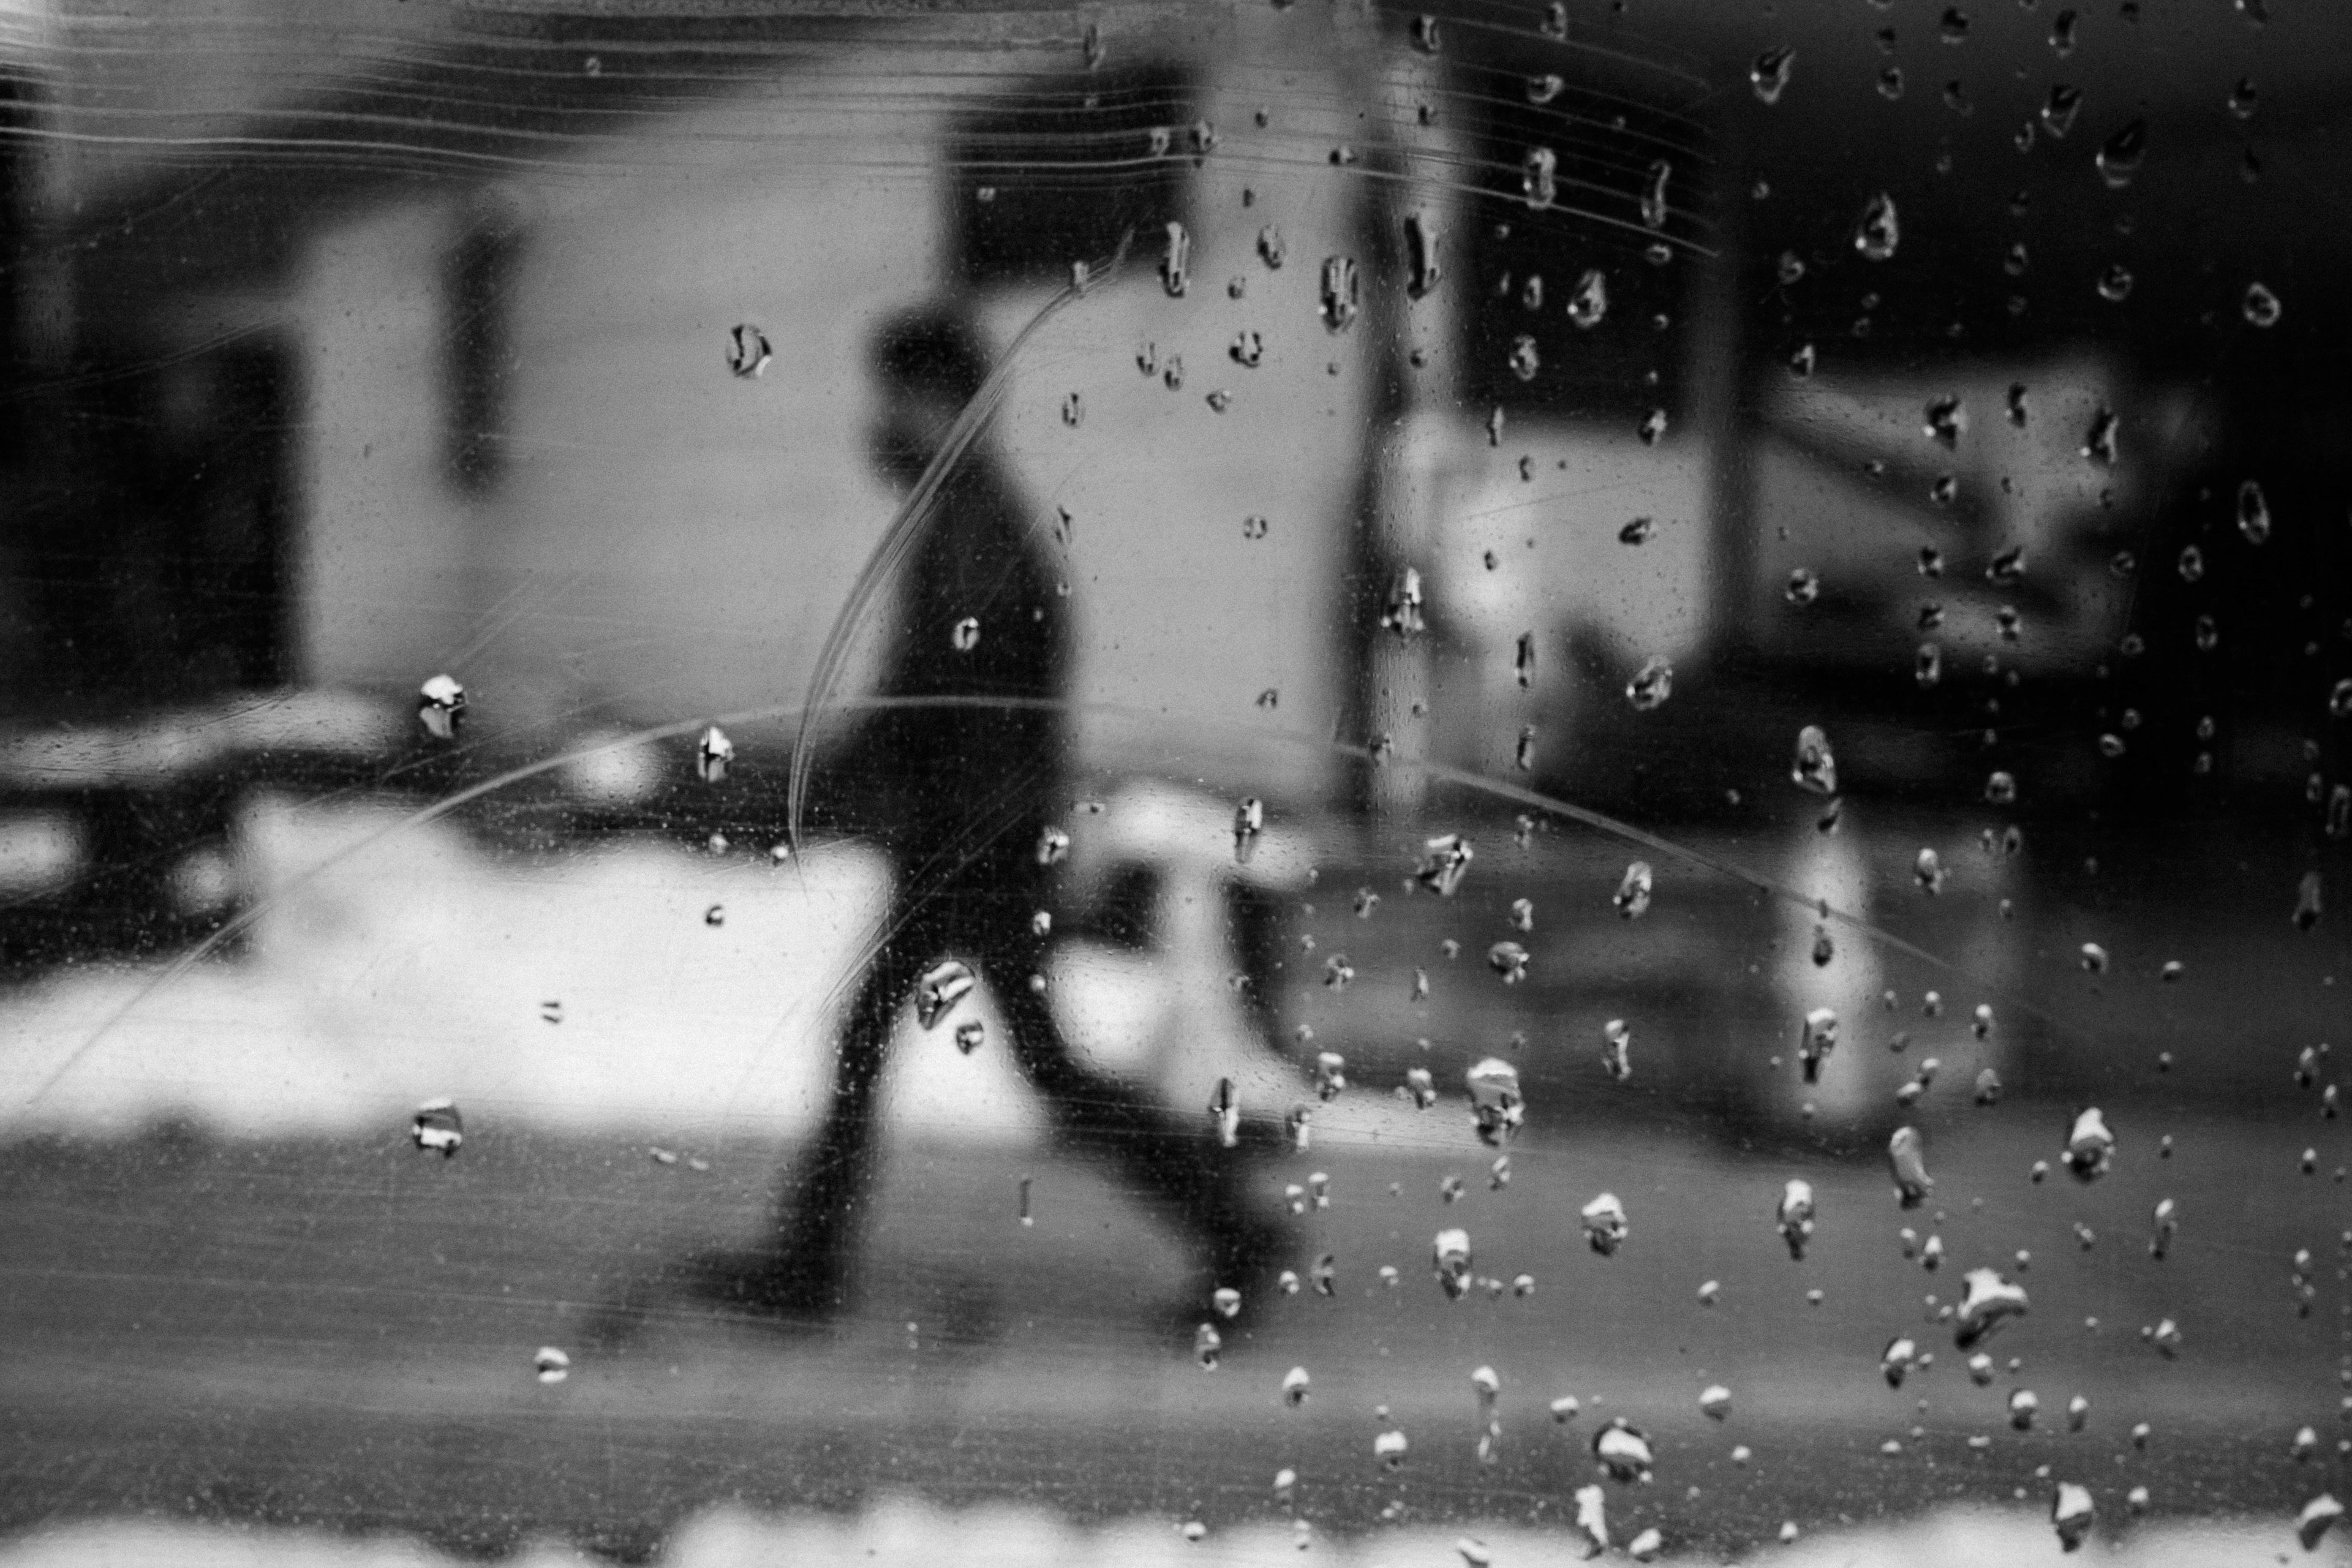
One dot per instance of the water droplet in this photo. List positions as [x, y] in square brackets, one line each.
[1338, 971]
[2261, 307]
[1653, 428]
[1340, 303]
[1249, 821]
[1878, 231]
[2000, 787]
[1623, 1451]
[1605, 1225]
[2317, 1517]
[1208, 1346]
[1539, 177]
[1768, 74]
[1714, 1402]
[2253, 512]
[2121, 157]
[1402, 612]
[941, 988]
[1890, 83]
[1646, 1547]
[2114, 283]
[1817, 1036]
[1592, 1520]
[1988, 1300]
[2071, 1514]
[1219, 401]
[2090, 1147]
[1907, 1161]
[1654, 194]
[1803, 587]
[2094, 958]
[1225, 1112]
[2307, 902]
[1446, 861]
[1816, 766]
[1450, 1258]
[1544, 88]
[1794, 1217]
[1422, 241]
[1175, 258]
[551, 1365]
[2058, 109]
[1330, 1070]
[442, 707]
[1632, 898]
[1524, 360]
[1651, 684]
[1928, 665]
[436, 1128]
[2099, 441]
[1509, 959]
[1617, 1045]
[747, 351]
[1947, 421]
[1495, 1103]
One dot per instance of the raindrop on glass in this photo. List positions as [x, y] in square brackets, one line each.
[1539, 177]
[1878, 231]
[747, 351]
[1769, 73]
[1632, 896]
[436, 1128]
[1496, 1106]
[442, 707]
[1651, 684]
[2123, 152]
[1340, 299]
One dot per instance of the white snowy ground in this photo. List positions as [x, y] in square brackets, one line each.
[904, 1533]
[390, 965]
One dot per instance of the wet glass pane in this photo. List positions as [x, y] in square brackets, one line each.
[898, 784]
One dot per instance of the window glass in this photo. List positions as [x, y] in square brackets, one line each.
[905, 783]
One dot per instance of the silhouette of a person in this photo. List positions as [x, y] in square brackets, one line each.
[960, 799]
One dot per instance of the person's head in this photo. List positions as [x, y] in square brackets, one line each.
[929, 364]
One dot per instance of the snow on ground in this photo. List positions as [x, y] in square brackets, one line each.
[903, 1531]
[390, 964]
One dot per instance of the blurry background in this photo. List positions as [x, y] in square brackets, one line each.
[1962, 380]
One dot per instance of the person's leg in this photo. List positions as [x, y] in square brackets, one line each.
[811, 1262]
[1177, 1165]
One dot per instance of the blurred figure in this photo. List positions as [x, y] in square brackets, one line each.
[963, 800]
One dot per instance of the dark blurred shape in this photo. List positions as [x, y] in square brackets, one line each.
[964, 800]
